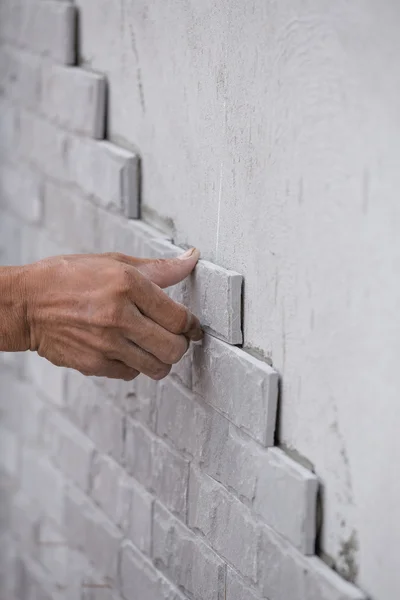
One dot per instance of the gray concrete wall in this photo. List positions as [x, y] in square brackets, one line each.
[269, 136]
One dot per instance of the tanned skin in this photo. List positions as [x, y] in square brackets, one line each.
[101, 314]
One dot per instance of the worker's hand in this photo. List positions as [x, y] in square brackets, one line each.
[106, 315]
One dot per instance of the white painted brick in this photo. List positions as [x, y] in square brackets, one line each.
[169, 477]
[8, 494]
[138, 452]
[70, 219]
[212, 293]
[157, 467]
[42, 482]
[117, 234]
[9, 130]
[138, 526]
[46, 27]
[224, 521]
[182, 420]
[109, 489]
[44, 145]
[21, 191]
[284, 492]
[21, 409]
[106, 428]
[285, 573]
[141, 581]
[70, 450]
[124, 501]
[8, 564]
[185, 559]
[87, 528]
[286, 498]
[74, 99]
[107, 173]
[140, 404]
[9, 451]
[240, 386]
[33, 581]
[20, 77]
[216, 298]
[24, 519]
[84, 582]
[236, 589]
[80, 397]
[204, 434]
[36, 245]
[183, 369]
[47, 378]
[10, 240]
[13, 360]
[52, 551]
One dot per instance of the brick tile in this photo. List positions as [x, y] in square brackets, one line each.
[20, 76]
[243, 388]
[70, 219]
[74, 99]
[286, 498]
[224, 521]
[43, 483]
[44, 145]
[196, 429]
[236, 589]
[45, 27]
[107, 173]
[157, 467]
[140, 580]
[185, 559]
[69, 448]
[48, 379]
[106, 429]
[9, 130]
[286, 573]
[87, 528]
[9, 451]
[212, 293]
[21, 190]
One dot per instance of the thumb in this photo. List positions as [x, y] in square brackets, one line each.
[169, 271]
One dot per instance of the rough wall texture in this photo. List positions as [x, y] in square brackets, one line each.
[143, 491]
[270, 136]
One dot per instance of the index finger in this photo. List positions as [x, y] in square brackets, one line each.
[173, 316]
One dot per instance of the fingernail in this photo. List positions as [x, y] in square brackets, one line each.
[187, 254]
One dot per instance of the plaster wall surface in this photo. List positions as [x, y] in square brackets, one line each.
[269, 134]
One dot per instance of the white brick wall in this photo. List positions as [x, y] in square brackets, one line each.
[167, 490]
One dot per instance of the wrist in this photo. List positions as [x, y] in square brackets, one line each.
[14, 328]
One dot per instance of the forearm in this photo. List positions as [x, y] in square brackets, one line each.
[14, 332]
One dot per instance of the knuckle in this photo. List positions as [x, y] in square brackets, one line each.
[97, 366]
[175, 352]
[180, 319]
[160, 372]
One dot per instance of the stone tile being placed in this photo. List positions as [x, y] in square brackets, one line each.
[238, 385]
[212, 293]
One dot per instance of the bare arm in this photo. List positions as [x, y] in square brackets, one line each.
[13, 328]
[102, 314]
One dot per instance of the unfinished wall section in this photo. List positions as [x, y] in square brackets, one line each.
[150, 490]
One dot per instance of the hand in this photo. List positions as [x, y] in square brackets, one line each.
[105, 314]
